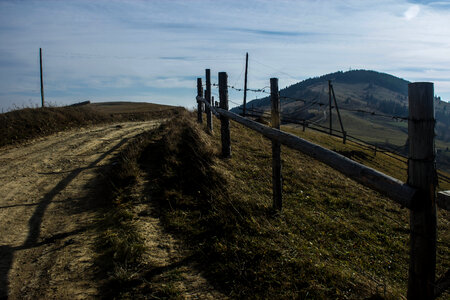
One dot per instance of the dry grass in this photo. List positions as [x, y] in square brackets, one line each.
[120, 245]
[23, 124]
[334, 239]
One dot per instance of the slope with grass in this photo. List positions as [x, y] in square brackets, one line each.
[23, 124]
[334, 239]
[370, 91]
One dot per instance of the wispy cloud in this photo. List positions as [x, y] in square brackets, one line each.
[158, 48]
[271, 32]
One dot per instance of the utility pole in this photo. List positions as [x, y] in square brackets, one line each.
[329, 104]
[42, 81]
[245, 83]
[344, 134]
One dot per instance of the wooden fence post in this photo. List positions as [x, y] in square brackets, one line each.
[199, 103]
[422, 175]
[224, 121]
[209, 120]
[245, 85]
[277, 184]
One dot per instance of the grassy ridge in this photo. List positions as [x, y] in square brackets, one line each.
[334, 239]
[23, 124]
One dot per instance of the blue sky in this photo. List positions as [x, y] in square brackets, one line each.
[153, 51]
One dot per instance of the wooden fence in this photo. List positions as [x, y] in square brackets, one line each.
[418, 194]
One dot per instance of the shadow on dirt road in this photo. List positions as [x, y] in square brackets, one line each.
[34, 224]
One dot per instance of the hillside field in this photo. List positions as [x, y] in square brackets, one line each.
[334, 239]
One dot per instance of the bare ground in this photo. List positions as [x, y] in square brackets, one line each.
[48, 207]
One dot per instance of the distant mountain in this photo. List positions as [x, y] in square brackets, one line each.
[357, 90]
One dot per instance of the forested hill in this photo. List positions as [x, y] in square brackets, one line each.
[372, 78]
[355, 90]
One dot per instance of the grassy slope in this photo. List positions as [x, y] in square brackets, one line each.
[334, 239]
[23, 124]
[350, 89]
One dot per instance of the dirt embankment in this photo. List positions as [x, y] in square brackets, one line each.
[50, 194]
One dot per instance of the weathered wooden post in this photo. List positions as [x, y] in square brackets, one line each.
[204, 106]
[224, 121]
[209, 120]
[199, 103]
[277, 184]
[422, 175]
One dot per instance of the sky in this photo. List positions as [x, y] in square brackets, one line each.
[153, 51]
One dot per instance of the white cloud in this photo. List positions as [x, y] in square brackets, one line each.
[160, 45]
[412, 12]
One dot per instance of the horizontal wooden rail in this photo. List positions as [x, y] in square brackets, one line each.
[212, 108]
[398, 191]
[443, 200]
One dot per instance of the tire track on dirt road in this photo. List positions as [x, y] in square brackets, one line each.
[48, 206]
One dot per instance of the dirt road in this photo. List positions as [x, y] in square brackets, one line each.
[47, 210]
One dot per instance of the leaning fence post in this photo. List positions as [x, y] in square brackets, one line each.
[209, 120]
[422, 175]
[199, 103]
[224, 121]
[276, 146]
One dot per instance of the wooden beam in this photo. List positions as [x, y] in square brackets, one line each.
[212, 108]
[443, 200]
[389, 186]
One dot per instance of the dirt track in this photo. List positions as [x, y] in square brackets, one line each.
[47, 208]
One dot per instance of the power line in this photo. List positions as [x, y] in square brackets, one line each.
[262, 90]
[275, 69]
